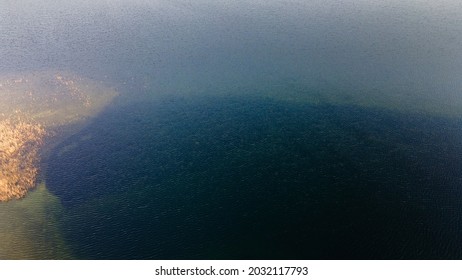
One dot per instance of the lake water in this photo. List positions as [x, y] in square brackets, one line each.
[246, 129]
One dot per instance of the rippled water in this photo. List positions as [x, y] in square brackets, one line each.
[247, 129]
[250, 178]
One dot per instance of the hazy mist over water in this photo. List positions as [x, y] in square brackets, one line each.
[376, 48]
[247, 129]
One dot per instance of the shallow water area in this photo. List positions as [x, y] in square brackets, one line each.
[30, 227]
[38, 110]
[52, 98]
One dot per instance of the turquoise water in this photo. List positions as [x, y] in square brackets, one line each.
[252, 129]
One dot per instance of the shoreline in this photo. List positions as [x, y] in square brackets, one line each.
[20, 144]
[38, 110]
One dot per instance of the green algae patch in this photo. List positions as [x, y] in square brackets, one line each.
[29, 227]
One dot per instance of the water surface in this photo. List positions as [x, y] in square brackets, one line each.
[246, 129]
[254, 178]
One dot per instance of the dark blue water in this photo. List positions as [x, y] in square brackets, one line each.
[241, 177]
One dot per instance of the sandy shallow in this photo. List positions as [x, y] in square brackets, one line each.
[33, 106]
[20, 143]
[37, 111]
